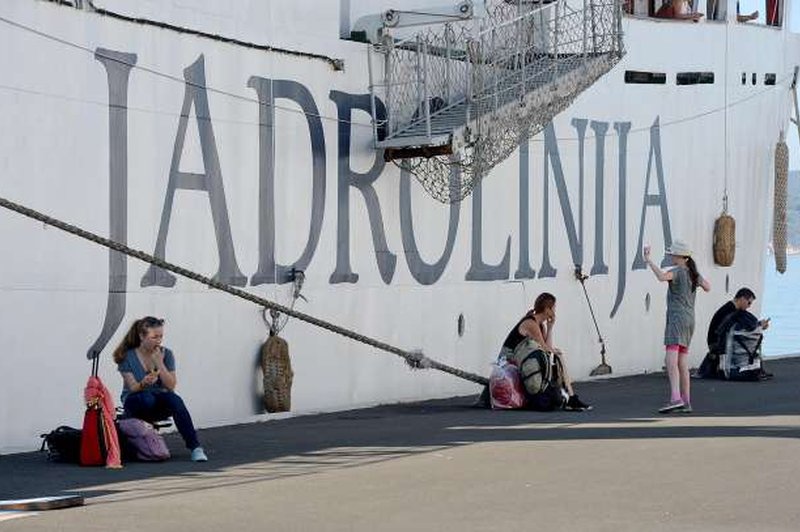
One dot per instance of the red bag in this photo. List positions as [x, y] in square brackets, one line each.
[505, 387]
[93, 437]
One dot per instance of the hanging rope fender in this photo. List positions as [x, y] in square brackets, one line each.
[724, 242]
[779, 225]
[414, 359]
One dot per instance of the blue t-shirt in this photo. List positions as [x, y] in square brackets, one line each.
[131, 364]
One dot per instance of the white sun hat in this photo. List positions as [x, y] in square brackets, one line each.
[679, 248]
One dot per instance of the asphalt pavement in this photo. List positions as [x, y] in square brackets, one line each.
[443, 465]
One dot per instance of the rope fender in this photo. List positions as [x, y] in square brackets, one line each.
[779, 227]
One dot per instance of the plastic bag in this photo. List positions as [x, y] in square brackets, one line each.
[505, 388]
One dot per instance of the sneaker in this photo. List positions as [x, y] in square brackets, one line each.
[685, 409]
[199, 455]
[575, 404]
[670, 407]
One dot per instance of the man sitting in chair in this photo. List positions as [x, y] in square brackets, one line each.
[733, 314]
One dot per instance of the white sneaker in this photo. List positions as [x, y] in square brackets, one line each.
[199, 455]
[672, 406]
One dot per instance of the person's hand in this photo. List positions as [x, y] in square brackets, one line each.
[158, 358]
[647, 253]
[764, 324]
[551, 320]
[149, 379]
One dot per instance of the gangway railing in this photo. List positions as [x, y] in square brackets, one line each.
[460, 96]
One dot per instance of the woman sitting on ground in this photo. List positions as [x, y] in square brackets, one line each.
[537, 325]
[148, 381]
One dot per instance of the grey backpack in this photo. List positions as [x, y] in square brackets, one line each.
[541, 375]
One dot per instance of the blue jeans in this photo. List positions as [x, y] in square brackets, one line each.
[159, 405]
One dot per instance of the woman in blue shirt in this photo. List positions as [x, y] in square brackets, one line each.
[148, 381]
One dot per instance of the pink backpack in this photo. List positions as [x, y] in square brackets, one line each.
[143, 438]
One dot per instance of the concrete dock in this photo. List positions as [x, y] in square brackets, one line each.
[734, 464]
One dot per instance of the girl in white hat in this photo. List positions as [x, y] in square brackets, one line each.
[683, 281]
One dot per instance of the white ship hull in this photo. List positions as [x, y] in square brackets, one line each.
[64, 146]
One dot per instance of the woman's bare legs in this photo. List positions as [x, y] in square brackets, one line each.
[565, 372]
[673, 373]
[685, 380]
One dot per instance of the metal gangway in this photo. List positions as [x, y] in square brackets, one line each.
[462, 92]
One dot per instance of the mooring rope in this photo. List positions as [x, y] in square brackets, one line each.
[414, 359]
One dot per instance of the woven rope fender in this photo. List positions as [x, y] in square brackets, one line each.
[278, 375]
[779, 213]
[724, 240]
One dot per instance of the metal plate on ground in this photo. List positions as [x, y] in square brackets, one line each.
[42, 503]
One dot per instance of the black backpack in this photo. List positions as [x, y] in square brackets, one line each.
[62, 444]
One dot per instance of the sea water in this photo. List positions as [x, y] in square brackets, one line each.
[780, 302]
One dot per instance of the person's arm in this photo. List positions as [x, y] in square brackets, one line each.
[752, 319]
[746, 18]
[660, 274]
[681, 10]
[137, 386]
[689, 16]
[531, 329]
[548, 328]
[704, 284]
[712, 337]
[168, 378]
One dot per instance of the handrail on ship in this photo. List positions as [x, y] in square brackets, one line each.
[462, 55]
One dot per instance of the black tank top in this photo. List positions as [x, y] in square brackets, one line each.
[514, 337]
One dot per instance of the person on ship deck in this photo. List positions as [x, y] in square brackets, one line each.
[678, 9]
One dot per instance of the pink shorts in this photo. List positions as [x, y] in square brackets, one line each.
[681, 349]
